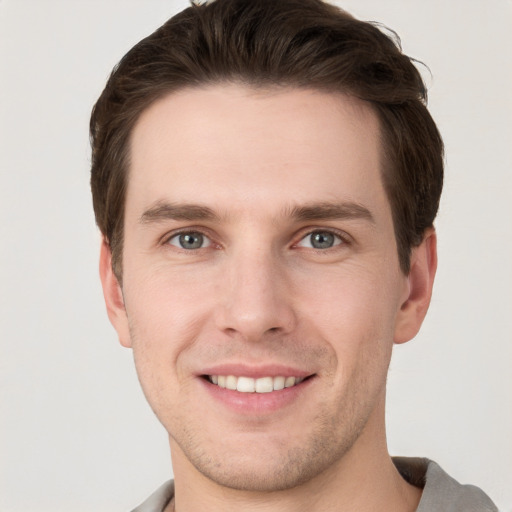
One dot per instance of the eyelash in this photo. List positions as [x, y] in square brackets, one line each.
[344, 238]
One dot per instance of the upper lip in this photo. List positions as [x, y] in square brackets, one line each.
[255, 371]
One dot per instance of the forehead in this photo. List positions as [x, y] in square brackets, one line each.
[232, 147]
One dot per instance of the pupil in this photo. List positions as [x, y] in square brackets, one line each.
[322, 240]
[191, 241]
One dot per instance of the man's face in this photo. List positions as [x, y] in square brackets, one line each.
[259, 246]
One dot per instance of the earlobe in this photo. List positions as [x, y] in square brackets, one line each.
[420, 282]
[113, 295]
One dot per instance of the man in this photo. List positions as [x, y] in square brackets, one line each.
[266, 175]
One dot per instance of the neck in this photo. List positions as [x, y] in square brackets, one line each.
[365, 479]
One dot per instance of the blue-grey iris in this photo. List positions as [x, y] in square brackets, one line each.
[322, 240]
[191, 240]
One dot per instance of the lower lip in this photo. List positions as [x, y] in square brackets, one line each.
[256, 403]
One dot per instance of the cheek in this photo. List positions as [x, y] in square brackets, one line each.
[163, 298]
[165, 317]
[354, 311]
[166, 314]
[348, 298]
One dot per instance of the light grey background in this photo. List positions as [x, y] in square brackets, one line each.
[76, 433]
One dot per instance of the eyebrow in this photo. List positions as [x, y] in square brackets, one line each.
[162, 211]
[331, 211]
[167, 211]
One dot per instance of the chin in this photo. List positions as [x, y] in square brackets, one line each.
[264, 466]
[264, 476]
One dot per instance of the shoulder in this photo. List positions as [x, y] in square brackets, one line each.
[440, 490]
[158, 500]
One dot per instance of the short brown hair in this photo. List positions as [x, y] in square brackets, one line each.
[261, 43]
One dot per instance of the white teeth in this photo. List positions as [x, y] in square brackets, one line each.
[289, 382]
[231, 382]
[245, 385]
[249, 385]
[265, 385]
[279, 383]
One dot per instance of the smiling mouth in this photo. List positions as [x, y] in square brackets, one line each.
[250, 385]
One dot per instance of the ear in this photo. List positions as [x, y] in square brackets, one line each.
[113, 295]
[419, 288]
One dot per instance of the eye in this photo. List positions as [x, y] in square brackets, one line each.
[190, 240]
[320, 240]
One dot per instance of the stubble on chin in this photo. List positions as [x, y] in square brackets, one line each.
[272, 466]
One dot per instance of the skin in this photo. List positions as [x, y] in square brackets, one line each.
[257, 294]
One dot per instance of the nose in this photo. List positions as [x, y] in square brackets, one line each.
[256, 298]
